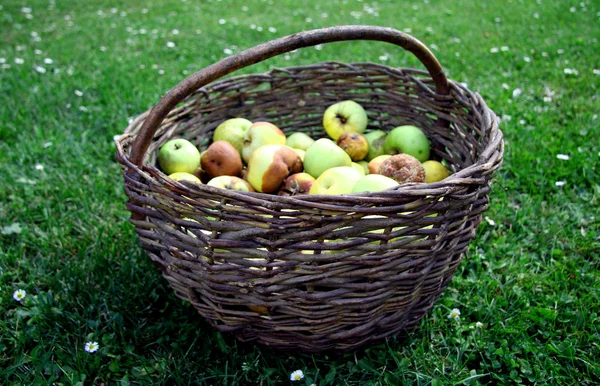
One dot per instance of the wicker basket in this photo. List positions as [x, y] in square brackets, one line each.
[313, 272]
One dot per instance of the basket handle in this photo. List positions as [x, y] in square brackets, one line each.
[273, 48]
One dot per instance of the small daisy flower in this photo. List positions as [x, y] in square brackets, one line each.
[170, 44]
[227, 51]
[517, 92]
[222, 21]
[596, 71]
[175, 32]
[78, 93]
[19, 295]
[564, 157]
[48, 61]
[478, 325]
[492, 223]
[454, 314]
[91, 347]
[296, 375]
[39, 167]
[505, 48]
[19, 61]
[40, 69]
[493, 50]
[272, 29]
[560, 183]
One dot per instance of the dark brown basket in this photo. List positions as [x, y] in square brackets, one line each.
[318, 272]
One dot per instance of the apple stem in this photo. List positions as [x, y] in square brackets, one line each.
[342, 119]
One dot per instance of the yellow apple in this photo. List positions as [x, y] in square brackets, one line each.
[269, 165]
[337, 180]
[434, 171]
[344, 117]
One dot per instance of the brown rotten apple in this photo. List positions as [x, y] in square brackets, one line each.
[221, 159]
[269, 165]
[355, 144]
[298, 183]
[403, 168]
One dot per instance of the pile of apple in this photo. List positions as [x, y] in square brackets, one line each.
[258, 156]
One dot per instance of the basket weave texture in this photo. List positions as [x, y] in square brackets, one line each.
[319, 273]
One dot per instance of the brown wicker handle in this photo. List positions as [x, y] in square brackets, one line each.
[274, 48]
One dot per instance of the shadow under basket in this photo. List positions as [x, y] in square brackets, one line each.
[313, 272]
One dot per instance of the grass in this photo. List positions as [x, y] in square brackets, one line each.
[531, 277]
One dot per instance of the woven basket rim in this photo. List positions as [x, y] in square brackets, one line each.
[449, 185]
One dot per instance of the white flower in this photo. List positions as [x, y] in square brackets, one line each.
[222, 21]
[383, 58]
[40, 69]
[560, 183]
[91, 347]
[527, 59]
[564, 157]
[170, 44]
[505, 48]
[252, 26]
[479, 325]
[596, 71]
[454, 314]
[175, 32]
[227, 51]
[296, 375]
[26, 10]
[308, 20]
[493, 50]
[48, 61]
[2, 60]
[19, 295]
[319, 47]
[272, 29]
[47, 144]
[78, 93]
[39, 167]
[489, 221]
[517, 92]
[19, 61]
[570, 71]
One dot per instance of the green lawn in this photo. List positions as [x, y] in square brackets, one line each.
[72, 73]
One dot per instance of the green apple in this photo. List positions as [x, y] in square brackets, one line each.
[408, 140]
[322, 155]
[233, 131]
[359, 168]
[434, 171]
[376, 141]
[178, 155]
[259, 134]
[365, 166]
[373, 183]
[184, 176]
[344, 117]
[356, 145]
[269, 165]
[231, 183]
[299, 140]
[337, 180]
[301, 153]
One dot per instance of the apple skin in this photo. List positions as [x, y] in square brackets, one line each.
[373, 183]
[233, 131]
[376, 140]
[408, 140]
[270, 165]
[221, 159]
[359, 168]
[178, 155]
[231, 183]
[301, 153]
[355, 144]
[299, 140]
[322, 155]
[184, 176]
[259, 134]
[344, 117]
[403, 168]
[435, 171]
[337, 180]
[298, 183]
[365, 166]
[376, 162]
